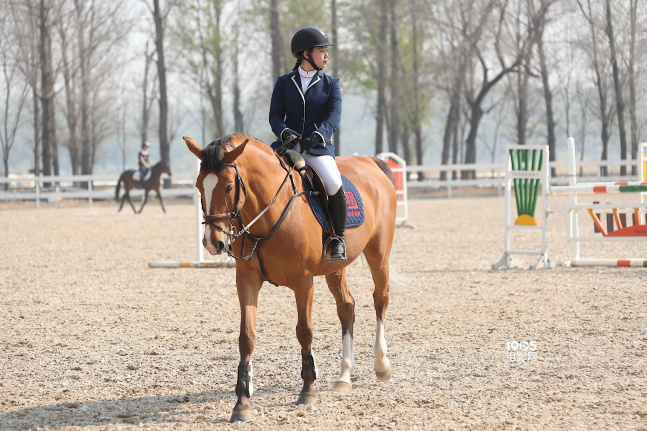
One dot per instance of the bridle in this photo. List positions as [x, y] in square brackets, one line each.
[233, 215]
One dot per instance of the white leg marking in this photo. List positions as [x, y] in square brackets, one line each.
[209, 184]
[251, 384]
[347, 360]
[382, 363]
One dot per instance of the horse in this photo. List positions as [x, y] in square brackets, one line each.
[255, 208]
[153, 182]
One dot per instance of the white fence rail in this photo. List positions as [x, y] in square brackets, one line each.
[421, 177]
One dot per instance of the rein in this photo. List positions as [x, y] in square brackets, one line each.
[244, 232]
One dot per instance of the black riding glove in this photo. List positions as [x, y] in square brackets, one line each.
[288, 136]
[308, 143]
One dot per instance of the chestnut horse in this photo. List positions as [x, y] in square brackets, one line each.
[255, 208]
[154, 182]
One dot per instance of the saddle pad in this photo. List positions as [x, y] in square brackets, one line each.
[137, 175]
[355, 206]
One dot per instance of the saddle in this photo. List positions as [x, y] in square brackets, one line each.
[137, 175]
[319, 200]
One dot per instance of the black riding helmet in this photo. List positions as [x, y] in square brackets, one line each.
[305, 40]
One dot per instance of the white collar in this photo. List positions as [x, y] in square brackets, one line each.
[307, 75]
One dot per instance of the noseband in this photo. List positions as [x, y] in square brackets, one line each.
[234, 214]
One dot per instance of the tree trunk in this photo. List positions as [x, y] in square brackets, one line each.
[335, 67]
[451, 125]
[238, 114]
[381, 78]
[217, 109]
[84, 57]
[161, 75]
[277, 44]
[470, 144]
[632, 84]
[548, 99]
[417, 109]
[70, 99]
[395, 91]
[620, 104]
[50, 147]
[145, 102]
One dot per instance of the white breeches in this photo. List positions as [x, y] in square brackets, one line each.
[328, 171]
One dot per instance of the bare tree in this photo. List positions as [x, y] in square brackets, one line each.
[149, 95]
[394, 121]
[277, 41]
[335, 64]
[27, 57]
[47, 93]
[160, 19]
[417, 108]
[596, 56]
[617, 85]
[631, 71]
[202, 38]
[14, 93]
[545, 80]
[381, 78]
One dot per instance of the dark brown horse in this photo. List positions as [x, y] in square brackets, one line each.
[153, 182]
[255, 203]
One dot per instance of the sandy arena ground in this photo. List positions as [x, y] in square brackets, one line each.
[93, 339]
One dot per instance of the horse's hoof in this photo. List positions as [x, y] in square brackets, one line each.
[307, 399]
[385, 375]
[244, 415]
[342, 387]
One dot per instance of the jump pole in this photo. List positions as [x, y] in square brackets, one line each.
[199, 262]
[638, 232]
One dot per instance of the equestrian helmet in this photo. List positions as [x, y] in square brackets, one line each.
[308, 38]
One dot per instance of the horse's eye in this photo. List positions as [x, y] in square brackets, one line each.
[228, 188]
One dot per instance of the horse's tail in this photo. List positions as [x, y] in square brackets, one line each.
[384, 167]
[396, 278]
[121, 178]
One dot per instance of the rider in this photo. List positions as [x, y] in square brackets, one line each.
[144, 161]
[305, 111]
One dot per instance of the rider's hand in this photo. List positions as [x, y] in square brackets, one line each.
[288, 136]
[308, 143]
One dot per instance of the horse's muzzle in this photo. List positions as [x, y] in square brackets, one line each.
[214, 249]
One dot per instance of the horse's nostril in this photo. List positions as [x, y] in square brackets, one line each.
[220, 246]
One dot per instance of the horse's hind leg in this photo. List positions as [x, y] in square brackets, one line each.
[127, 197]
[304, 295]
[379, 264]
[346, 312]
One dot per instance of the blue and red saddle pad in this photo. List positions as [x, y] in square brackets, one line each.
[354, 204]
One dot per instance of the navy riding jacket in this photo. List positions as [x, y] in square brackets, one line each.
[316, 111]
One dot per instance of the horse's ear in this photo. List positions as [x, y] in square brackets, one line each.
[232, 155]
[193, 147]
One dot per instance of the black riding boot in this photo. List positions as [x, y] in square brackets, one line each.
[337, 207]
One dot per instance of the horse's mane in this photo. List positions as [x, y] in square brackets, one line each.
[212, 154]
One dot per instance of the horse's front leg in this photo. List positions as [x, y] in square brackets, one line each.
[248, 288]
[159, 196]
[145, 200]
[346, 312]
[304, 296]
